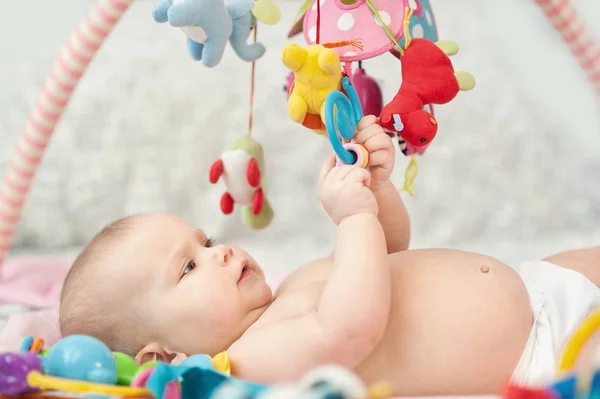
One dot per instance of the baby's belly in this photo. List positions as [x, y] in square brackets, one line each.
[458, 325]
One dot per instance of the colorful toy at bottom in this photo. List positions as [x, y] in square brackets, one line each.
[81, 357]
[78, 363]
[14, 368]
[571, 384]
[242, 167]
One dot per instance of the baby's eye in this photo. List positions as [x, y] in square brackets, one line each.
[208, 243]
[188, 268]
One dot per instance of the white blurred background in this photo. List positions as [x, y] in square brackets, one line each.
[514, 171]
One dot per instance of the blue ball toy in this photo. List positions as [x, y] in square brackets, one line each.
[83, 358]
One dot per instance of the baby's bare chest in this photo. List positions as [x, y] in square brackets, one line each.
[294, 304]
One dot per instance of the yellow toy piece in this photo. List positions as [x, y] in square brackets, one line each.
[318, 72]
[466, 81]
[37, 380]
[266, 12]
[449, 47]
[221, 363]
[578, 341]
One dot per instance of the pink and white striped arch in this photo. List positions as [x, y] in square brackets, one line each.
[68, 69]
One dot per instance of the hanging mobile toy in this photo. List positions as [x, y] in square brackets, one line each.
[317, 72]
[241, 166]
[428, 77]
[210, 24]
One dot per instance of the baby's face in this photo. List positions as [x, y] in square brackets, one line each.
[198, 297]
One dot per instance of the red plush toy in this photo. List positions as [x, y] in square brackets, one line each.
[428, 77]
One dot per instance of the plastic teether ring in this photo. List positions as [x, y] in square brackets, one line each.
[26, 344]
[37, 345]
[342, 115]
[359, 154]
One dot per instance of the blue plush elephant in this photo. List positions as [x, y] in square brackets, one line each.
[210, 24]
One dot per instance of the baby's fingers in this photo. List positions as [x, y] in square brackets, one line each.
[367, 134]
[382, 158]
[366, 121]
[326, 168]
[360, 175]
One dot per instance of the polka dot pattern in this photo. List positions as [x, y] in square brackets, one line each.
[428, 17]
[312, 34]
[345, 22]
[342, 21]
[417, 31]
[385, 17]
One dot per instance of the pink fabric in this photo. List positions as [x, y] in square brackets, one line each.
[356, 21]
[33, 281]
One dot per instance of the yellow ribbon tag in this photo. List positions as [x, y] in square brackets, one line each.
[410, 175]
[221, 363]
[266, 12]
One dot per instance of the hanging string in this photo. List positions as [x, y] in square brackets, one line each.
[252, 80]
[385, 27]
[348, 69]
[318, 22]
[360, 64]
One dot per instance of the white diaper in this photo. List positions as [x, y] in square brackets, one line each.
[561, 299]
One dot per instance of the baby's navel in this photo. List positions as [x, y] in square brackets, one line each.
[484, 269]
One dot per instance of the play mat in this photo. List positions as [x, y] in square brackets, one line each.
[328, 92]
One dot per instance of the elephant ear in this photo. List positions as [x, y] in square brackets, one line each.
[266, 12]
[239, 8]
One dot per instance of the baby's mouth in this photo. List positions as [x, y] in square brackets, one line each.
[245, 270]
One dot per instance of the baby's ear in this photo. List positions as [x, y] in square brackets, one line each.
[153, 352]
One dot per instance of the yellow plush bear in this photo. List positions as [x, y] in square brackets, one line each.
[317, 72]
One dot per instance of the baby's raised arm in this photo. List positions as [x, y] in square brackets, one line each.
[353, 310]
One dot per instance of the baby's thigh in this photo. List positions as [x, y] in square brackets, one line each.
[585, 261]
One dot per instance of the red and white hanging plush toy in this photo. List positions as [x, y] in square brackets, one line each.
[241, 166]
[428, 77]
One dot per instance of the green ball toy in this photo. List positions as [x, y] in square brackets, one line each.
[126, 368]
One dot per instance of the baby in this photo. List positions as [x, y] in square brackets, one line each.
[429, 322]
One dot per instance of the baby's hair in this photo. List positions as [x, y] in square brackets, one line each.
[88, 306]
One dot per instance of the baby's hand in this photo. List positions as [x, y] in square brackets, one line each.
[382, 153]
[345, 191]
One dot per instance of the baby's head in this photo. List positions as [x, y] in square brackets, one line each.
[153, 287]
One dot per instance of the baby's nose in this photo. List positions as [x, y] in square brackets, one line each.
[223, 253]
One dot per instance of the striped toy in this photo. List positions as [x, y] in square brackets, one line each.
[565, 19]
[89, 37]
[66, 73]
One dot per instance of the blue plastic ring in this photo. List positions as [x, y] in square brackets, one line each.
[343, 122]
